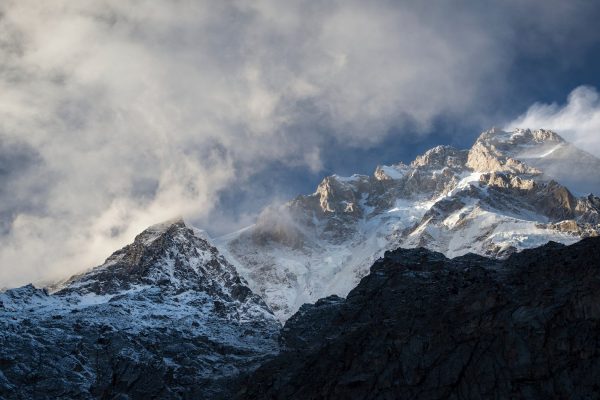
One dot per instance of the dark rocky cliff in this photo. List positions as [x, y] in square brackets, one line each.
[421, 326]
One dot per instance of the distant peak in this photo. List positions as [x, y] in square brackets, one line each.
[162, 226]
[440, 151]
[151, 233]
[441, 156]
[519, 136]
[547, 136]
[538, 136]
[167, 254]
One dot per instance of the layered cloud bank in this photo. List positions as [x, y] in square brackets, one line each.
[115, 115]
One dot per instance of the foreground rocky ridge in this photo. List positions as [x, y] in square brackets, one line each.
[165, 317]
[422, 326]
[509, 191]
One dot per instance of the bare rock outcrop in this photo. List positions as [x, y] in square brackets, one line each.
[500, 196]
[425, 327]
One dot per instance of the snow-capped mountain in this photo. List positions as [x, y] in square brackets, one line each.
[165, 317]
[510, 191]
[173, 315]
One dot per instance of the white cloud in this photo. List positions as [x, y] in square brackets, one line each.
[578, 121]
[128, 113]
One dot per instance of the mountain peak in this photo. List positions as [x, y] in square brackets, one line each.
[441, 156]
[544, 135]
[165, 317]
[519, 137]
[177, 222]
[150, 234]
[502, 195]
[170, 256]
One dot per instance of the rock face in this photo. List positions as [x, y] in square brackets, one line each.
[165, 317]
[421, 326]
[503, 195]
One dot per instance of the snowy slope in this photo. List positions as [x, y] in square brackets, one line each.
[166, 316]
[173, 315]
[492, 199]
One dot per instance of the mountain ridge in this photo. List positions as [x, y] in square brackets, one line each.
[491, 199]
[176, 314]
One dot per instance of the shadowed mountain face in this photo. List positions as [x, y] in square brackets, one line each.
[165, 317]
[509, 191]
[421, 326]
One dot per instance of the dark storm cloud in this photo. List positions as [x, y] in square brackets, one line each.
[143, 110]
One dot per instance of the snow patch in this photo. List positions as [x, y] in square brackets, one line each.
[393, 172]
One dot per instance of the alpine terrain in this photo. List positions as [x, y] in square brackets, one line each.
[178, 315]
[508, 192]
[165, 317]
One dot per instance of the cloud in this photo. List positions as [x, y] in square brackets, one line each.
[578, 120]
[115, 115]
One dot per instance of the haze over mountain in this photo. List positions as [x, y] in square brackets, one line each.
[300, 199]
[176, 314]
[117, 115]
[493, 199]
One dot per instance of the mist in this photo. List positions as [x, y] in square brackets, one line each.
[577, 120]
[117, 115]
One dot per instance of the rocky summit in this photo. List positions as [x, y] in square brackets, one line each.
[422, 326]
[165, 317]
[508, 192]
[463, 304]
